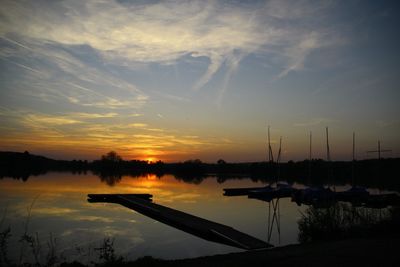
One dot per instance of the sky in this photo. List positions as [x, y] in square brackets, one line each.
[179, 80]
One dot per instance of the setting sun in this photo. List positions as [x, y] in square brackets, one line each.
[150, 160]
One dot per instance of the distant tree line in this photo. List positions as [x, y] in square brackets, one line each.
[22, 165]
[383, 173]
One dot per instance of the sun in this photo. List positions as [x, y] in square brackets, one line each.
[150, 159]
[149, 155]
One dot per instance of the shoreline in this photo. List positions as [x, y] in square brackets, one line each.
[377, 251]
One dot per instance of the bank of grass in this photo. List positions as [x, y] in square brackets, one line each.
[342, 220]
[349, 252]
[336, 236]
[375, 251]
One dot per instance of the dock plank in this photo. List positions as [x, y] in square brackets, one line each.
[194, 225]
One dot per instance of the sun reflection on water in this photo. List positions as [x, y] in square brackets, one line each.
[61, 207]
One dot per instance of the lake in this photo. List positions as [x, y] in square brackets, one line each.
[60, 215]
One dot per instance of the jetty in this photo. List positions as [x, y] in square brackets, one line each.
[318, 196]
[191, 224]
[244, 191]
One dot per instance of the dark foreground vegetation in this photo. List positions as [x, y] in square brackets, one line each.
[336, 236]
[110, 168]
[376, 251]
[349, 252]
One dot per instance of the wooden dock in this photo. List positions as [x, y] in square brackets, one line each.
[242, 191]
[265, 193]
[194, 225]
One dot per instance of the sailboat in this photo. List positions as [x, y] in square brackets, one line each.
[316, 196]
[356, 194]
[280, 190]
[268, 192]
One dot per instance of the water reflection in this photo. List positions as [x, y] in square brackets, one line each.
[274, 219]
[62, 211]
[370, 173]
[327, 215]
[110, 178]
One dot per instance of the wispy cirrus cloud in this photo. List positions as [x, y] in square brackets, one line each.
[74, 69]
[49, 73]
[164, 32]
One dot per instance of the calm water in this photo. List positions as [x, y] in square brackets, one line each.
[60, 210]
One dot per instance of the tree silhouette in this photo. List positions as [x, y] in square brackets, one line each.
[111, 156]
[221, 162]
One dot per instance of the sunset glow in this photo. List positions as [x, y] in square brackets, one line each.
[175, 80]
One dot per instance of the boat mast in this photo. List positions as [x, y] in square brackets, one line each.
[354, 156]
[328, 154]
[278, 161]
[280, 149]
[328, 157]
[270, 155]
[310, 158]
[310, 155]
[379, 151]
[354, 146]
